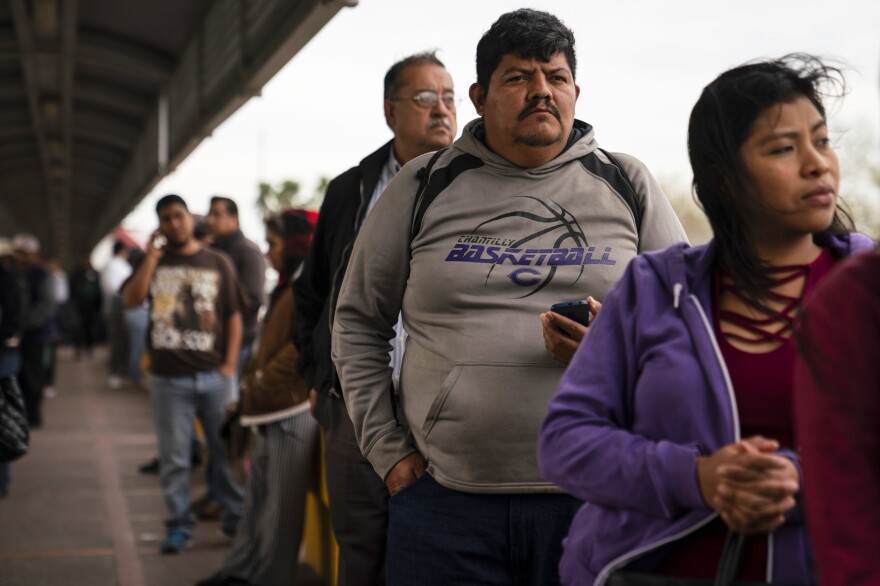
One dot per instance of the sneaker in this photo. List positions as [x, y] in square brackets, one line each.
[151, 467]
[50, 392]
[175, 543]
[207, 510]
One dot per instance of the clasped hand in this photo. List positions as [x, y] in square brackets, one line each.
[748, 485]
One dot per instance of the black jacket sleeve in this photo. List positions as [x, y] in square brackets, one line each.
[312, 288]
[10, 306]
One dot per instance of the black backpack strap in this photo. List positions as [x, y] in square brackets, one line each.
[430, 186]
[613, 173]
[423, 175]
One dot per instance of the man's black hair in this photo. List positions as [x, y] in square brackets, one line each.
[392, 78]
[527, 33]
[169, 199]
[231, 206]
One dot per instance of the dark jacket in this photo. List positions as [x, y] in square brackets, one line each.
[270, 384]
[10, 306]
[317, 288]
[250, 269]
[39, 312]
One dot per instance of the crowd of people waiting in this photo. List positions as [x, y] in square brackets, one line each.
[712, 410]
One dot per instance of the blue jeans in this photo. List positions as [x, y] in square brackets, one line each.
[136, 320]
[439, 536]
[176, 400]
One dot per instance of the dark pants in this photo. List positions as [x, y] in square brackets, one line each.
[32, 379]
[438, 536]
[84, 331]
[358, 500]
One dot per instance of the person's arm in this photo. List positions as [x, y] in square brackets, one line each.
[279, 371]
[135, 291]
[837, 422]
[233, 301]
[585, 446]
[660, 226]
[252, 276]
[233, 344]
[10, 307]
[368, 308]
[563, 336]
[312, 288]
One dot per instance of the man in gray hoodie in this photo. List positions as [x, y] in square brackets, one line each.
[522, 212]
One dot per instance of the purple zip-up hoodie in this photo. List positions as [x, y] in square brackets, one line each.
[646, 393]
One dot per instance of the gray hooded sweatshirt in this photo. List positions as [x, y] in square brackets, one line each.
[497, 247]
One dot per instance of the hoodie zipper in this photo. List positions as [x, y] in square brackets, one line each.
[626, 558]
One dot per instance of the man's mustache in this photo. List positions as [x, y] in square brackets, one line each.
[440, 122]
[545, 104]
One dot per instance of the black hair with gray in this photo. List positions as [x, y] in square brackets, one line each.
[392, 78]
[231, 206]
[530, 34]
[721, 122]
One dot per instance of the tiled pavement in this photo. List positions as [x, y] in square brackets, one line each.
[78, 512]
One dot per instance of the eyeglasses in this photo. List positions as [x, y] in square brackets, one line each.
[428, 99]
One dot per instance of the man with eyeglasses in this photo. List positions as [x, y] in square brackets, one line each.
[523, 212]
[420, 111]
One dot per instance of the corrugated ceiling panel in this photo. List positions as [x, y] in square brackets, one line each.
[221, 49]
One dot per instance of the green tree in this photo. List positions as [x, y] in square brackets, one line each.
[274, 198]
[689, 213]
[860, 177]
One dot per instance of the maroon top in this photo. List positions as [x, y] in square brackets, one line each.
[837, 420]
[762, 385]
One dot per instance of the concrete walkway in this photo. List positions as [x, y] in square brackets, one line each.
[78, 512]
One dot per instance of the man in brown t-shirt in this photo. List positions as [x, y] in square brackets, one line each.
[194, 338]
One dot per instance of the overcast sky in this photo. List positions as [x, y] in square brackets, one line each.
[641, 67]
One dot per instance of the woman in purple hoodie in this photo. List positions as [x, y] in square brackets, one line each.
[673, 421]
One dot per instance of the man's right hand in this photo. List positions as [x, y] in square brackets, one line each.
[562, 336]
[405, 473]
[156, 246]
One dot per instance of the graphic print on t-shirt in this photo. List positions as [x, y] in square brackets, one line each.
[184, 312]
[533, 268]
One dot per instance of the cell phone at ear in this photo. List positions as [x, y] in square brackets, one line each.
[159, 242]
[577, 311]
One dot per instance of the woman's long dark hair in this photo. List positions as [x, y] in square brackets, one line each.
[721, 121]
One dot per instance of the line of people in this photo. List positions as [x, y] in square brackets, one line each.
[472, 458]
[473, 436]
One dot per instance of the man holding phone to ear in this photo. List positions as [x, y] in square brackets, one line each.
[194, 338]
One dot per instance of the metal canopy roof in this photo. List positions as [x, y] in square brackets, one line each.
[99, 99]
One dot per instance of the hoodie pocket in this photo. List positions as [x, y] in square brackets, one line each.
[482, 428]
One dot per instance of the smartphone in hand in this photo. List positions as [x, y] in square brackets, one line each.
[577, 311]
